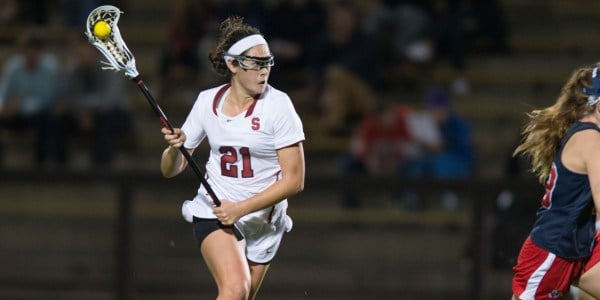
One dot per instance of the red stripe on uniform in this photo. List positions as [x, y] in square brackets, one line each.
[218, 96]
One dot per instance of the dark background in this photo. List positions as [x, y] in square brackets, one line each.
[81, 233]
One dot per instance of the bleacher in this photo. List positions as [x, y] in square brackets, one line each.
[544, 50]
[547, 40]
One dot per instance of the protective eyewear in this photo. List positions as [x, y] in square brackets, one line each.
[253, 62]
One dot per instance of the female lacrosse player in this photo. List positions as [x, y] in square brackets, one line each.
[256, 161]
[563, 142]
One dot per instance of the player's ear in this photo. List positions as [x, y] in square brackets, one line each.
[231, 65]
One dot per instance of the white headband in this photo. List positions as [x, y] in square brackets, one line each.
[244, 44]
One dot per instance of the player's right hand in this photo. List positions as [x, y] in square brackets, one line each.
[175, 138]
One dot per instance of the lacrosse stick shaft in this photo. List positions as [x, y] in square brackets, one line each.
[165, 122]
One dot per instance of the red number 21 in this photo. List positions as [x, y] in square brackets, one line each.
[230, 156]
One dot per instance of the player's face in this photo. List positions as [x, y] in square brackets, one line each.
[253, 73]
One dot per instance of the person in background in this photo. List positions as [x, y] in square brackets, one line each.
[384, 142]
[74, 13]
[95, 106]
[291, 28]
[379, 142]
[8, 12]
[28, 93]
[404, 28]
[179, 62]
[462, 26]
[454, 157]
[341, 61]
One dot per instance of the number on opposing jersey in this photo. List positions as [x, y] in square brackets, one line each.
[229, 158]
[550, 184]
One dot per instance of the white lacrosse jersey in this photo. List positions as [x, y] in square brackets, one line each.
[243, 149]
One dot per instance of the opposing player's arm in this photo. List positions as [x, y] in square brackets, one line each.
[291, 160]
[591, 155]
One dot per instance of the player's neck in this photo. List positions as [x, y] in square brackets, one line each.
[593, 117]
[236, 104]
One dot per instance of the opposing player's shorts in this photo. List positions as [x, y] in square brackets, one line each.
[540, 274]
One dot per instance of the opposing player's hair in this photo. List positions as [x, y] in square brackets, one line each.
[546, 127]
[231, 30]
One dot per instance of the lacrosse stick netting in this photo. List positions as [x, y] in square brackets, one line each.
[112, 47]
[120, 59]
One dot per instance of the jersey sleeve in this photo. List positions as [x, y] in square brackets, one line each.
[287, 126]
[192, 127]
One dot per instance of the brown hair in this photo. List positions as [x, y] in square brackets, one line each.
[231, 30]
[546, 127]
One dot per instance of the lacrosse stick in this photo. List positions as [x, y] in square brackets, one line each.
[102, 32]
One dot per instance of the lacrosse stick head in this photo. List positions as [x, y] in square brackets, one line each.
[111, 45]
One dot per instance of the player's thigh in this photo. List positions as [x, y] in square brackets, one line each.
[257, 272]
[581, 295]
[589, 282]
[225, 257]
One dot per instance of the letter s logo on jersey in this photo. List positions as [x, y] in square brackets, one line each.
[255, 123]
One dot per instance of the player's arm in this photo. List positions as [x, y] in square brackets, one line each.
[291, 160]
[172, 161]
[591, 156]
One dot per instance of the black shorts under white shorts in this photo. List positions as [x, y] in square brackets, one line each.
[204, 227]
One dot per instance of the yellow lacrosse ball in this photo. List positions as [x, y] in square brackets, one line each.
[101, 29]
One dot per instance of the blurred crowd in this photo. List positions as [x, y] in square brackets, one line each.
[343, 55]
[59, 103]
[349, 65]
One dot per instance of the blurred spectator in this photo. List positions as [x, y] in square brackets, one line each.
[343, 59]
[24, 12]
[290, 27]
[189, 22]
[96, 106]
[405, 29]
[28, 91]
[454, 158]
[379, 143]
[75, 12]
[490, 26]
[8, 11]
[253, 11]
[384, 142]
[459, 25]
[33, 12]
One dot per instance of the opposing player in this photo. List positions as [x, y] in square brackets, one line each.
[256, 162]
[563, 142]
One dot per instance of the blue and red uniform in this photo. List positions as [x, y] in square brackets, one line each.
[562, 243]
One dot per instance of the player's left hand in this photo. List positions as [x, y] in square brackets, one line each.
[228, 213]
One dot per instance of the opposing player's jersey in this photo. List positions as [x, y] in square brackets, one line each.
[243, 157]
[565, 220]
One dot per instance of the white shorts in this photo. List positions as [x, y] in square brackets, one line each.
[262, 238]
